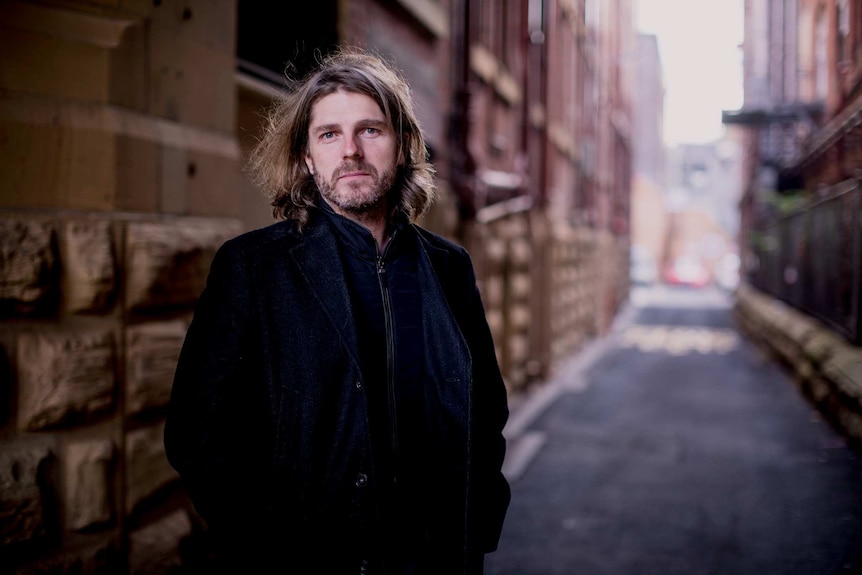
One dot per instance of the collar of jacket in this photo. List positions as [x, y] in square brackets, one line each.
[317, 257]
[358, 238]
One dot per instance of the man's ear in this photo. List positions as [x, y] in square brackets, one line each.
[308, 162]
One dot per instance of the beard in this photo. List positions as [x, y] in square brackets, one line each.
[356, 197]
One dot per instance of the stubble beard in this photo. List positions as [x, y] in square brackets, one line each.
[357, 198]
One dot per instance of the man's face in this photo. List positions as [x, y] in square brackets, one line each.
[352, 152]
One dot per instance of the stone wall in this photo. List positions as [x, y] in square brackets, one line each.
[543, 289]
[574, 284]
[505, 248]
[94, 311]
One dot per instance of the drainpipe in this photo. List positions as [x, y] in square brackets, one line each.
[462, 167]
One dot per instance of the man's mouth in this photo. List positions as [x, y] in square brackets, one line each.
[349, 175]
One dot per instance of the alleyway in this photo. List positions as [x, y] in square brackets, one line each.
[675, 447]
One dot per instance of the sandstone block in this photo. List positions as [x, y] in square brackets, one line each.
[154, 549]
[64, 377]
[167, 262]
[495, 253]
[152, 351]
[823, 344]
[844, 370]
[142, 155]
[147, 467]
[22, 509]
[89, 274]
[519, 349]
[496, 323]
[102, 557]
[191, 78]
[521, 252]
[519, 318]
[27, 265]
[493, 291]
[88, 481]
[520, 286]
[212, 180]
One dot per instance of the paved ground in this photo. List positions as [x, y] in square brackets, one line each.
[674, 447]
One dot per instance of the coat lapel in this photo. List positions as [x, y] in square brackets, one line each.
[439, 260]
[319, 262]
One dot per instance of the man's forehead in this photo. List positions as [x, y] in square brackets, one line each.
[344, 105]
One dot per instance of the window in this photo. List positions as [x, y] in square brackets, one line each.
[821, 63]
[274, 38]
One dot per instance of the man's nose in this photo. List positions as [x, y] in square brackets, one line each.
[352, 146]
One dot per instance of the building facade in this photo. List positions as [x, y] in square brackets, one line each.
[800, 212]
[124, 129]
[649, 211]
[801, 111]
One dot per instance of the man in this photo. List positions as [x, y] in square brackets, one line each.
[337, 406]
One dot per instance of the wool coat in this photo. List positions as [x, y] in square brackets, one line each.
[268, 419]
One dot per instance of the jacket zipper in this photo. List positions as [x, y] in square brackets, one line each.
[390, 348]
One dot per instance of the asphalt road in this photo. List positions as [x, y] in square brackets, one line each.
[673, 446]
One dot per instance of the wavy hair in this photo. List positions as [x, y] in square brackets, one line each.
[277, 163]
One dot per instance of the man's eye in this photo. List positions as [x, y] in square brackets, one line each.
[372, 131]
[327, 135]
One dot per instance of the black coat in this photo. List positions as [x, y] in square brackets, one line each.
[268, 423]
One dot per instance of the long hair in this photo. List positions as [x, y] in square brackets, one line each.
[277, 163]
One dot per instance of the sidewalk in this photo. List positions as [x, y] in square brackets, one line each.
[526, 407]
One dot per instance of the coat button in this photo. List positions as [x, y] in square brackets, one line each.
[361, 480]
[359, 384]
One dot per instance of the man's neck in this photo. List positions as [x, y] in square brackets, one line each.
[376, 224]
[376, 220]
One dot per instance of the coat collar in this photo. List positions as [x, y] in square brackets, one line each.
[319, 262]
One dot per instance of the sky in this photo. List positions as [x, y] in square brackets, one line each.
[699, 45]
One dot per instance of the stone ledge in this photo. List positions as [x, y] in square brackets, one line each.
[844, 369]
[827, 366]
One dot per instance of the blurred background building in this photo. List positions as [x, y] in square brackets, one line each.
[124, 127]
[800, 232]
[800, 228]
[649, 211]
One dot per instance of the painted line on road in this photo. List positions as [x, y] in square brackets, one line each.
[569, 378]
[522, 445]
[531, 410]
[521, 454]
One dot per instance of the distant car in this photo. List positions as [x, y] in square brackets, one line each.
[643, 269]
[687, 271]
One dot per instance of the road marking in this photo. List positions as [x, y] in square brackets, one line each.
[679, 340]
[521, 453]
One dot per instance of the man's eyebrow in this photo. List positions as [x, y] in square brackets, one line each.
[325, 128]
[363, 123]
[374, 123]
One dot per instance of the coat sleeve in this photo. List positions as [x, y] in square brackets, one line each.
[213, 427]
[489, 490]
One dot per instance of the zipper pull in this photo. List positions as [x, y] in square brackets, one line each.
[381, 266]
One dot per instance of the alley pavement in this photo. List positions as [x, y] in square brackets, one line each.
[674, 446]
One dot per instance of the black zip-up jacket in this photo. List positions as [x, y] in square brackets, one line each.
[268, 423]
[385, 294]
